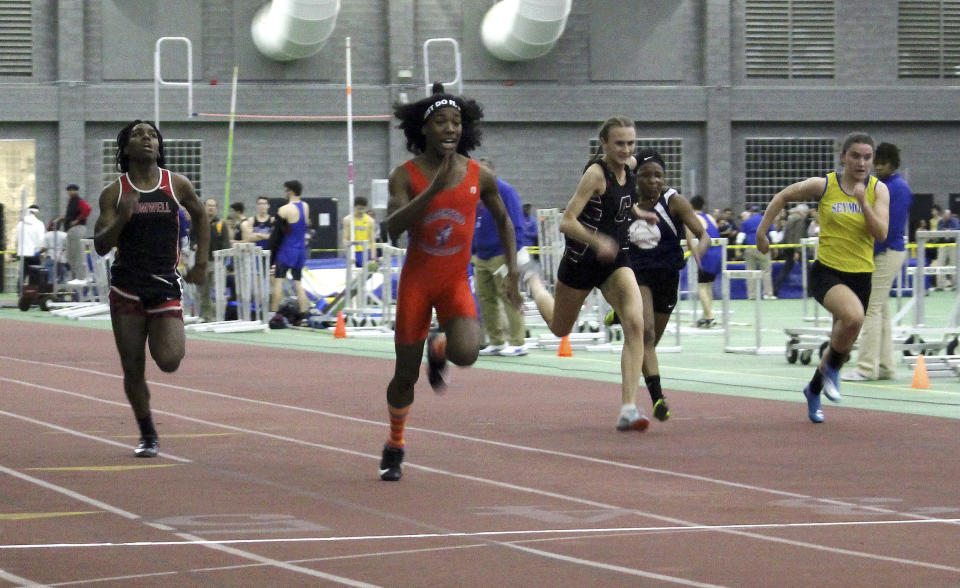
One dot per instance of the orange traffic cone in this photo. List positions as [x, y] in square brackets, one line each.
[920, 377]
[340, 331]
[565, 350]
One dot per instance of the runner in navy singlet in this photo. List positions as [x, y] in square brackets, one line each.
[656, 255]
[139, 215]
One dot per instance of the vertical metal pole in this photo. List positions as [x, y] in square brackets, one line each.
[233, 111]
[349, 298]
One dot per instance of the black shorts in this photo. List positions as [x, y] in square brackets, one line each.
[585, 272]
[822, 278]
[151, 289]
[704, 277]
[663, 285]
[281, 272]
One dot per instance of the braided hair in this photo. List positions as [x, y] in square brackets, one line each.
[123, 138]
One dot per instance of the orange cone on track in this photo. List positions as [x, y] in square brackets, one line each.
[340, 331]
[565, 350]
[920, 377]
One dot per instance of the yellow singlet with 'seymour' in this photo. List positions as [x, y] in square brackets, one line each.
[361, 230]
[845, 243]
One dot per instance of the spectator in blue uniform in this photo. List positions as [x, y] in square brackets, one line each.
[875, 358]
[488, 259]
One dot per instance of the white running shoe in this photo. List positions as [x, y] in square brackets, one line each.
[491, 350]
[513, 351]
[632, 420]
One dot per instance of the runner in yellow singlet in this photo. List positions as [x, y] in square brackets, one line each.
[853, 208]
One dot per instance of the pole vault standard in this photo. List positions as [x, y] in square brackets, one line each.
[233, 112]
[349, 90]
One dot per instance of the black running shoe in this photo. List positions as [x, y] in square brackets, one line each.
[148, 447]
[391, 464]
[661, 410]
[437, 362]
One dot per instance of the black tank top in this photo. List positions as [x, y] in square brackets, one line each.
[263, 228]
[149, 242]
[665, 253]
[607, 213]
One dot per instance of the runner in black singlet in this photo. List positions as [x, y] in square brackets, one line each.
[139, 215]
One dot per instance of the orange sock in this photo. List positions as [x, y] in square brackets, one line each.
[398, 418]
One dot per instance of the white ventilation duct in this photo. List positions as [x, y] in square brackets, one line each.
[285, 30]
[518, 30]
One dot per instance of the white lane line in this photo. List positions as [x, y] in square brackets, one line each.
[468, 535]
[191, 538]
[540, 492]
[5, 575]
[501, 444]
[83, 435]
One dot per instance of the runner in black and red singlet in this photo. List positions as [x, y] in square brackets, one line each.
[139, 215]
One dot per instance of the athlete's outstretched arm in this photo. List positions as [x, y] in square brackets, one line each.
[807, 190]
[199, 225]
[404, 210]
[508, 238]
[591, 183]
[877, 216]
[680, 207]
[111, 222]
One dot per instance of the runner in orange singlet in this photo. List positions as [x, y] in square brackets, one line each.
[434, 197]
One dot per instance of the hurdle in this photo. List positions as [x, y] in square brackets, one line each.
[251, 274]
[91, 293]
[693, 294]
[921, 271]
[757, 276]
[372, 316]
[359, 298]
[805, 244]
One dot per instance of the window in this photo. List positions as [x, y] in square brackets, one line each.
[16, 38]
[183, 156]
[789, 39]
[772, 164]
[670, 149]
[928, 39]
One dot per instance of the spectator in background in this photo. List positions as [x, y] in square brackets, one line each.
[256, 229]
[364, 229]
[727, 227]
[875, 359]
[235, 220]
[947, 255]
[530, 229]
[54, 251]
[794, 230]
[219, 239]
[813, 225]
[292, 252]
[753, 258]
[75, 222]
[488, 261]
[28, 237]
[184, 228]
[710, 264]
[931, 225]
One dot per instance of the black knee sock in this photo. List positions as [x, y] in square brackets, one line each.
[816, 383]
[653, 385]
[146, 427]
[835, 359]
